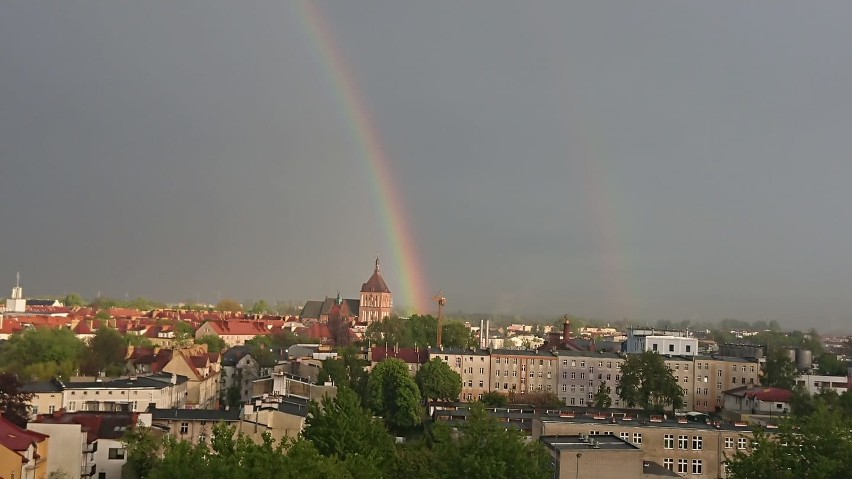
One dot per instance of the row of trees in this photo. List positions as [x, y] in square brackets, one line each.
[418, 331]
[343, 439]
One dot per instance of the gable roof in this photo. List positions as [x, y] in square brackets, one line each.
[762, 393]
[311, 310]
[17, 439]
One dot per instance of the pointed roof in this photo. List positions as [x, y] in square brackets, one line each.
[375, 284]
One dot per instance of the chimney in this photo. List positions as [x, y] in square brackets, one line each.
[566, 330]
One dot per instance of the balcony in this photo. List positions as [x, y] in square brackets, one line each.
[90, 448]
[88, 470]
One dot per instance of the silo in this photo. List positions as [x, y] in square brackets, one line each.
[790, 353]
[804, 359]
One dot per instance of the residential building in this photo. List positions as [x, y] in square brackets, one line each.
[683, 369]
[413, 357]
[674, 343]
[232, 332]
[581, 373]
[23, 453]
[473, 365]
[692, 449]
[521, 372]
[202, 370]
[240, 370]
[713, 375]
[193, 425]
[581, 456]
[91, 442]
[130, 394]
[47, 397]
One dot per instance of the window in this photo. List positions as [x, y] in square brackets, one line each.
[564, 374]
[719, 373]
[734, 368]
[51, 409]
[116, 453]
[719, 385]
[668, 441]
[654, 346]
[35, 410]
[733, 380]
[609, 364]
[688, 348]
[697, 466]
[671, 348]
[573, 375]
[742, 443]
[624, 435]
[637, 438]
[101, 475]
[686, 366]
[697, 443]
[184, 427]
[573, 387]
[582, 375]
[582, 364]
[564, 388]
[480, 384]
[481, 370]
[591, 396]
[683, 442]
[573, 363]
[729, 443]
[582, 401]
[203, 437]
[572, 401]
[565, 363]
[682, 466]
[668, 463]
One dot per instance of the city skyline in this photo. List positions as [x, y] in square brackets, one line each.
[608, 161]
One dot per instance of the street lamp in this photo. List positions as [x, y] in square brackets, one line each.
[577, 475]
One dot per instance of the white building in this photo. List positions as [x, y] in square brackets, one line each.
[817, 383]
[670, 343]
[16, 302]
[132, 394]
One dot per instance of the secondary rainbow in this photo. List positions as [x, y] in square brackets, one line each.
[356, 116]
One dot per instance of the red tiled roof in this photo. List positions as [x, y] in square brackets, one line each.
[768, 394]
[15, 438]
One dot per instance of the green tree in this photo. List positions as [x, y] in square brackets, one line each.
[438, 382]
[142, 447]
[494, 399]
[485, 448]
[457, 335]
[73, 300]
[816, 446]
[184, 333]
[348, 369]
[14, 403]
[42, 354]
[779, 371]
[603, 398]
[831, 366]
[393, 395]
[106, 350]
[259, 307]
[214, 343]
[340, 427]
[647, 382]
[229, 305]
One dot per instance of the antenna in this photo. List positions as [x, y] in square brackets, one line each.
[18, 279]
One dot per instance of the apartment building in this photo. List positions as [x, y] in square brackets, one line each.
[23, 453]
[520, 372]
[580, 374]
[692, 449]
[473, 365]
[683, 370]
[675, 343]
[600, 457]
[713, 375]
[131, 394]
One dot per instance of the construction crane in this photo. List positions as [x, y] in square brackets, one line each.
[442, 301]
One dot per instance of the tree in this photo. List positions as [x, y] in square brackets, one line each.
[142, 446]
[214, 343]
[14, 403]
[816, 446]
[348, 369]
[494, 399]
[603, 398]
[73, 300]
[340, 427]
[229, 305]
[779, 371]
[438, 382]
[106, 350]
[457, 335]
[259, 307]
[647, 382]
[393, 394]
[831, 366]
[485, 448]
[42, 354]
[184, 333]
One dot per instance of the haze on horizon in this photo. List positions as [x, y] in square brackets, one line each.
[606, 159]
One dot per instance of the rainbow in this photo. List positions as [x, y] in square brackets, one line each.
[356, 116]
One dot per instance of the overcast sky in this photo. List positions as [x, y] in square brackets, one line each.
[608, 159]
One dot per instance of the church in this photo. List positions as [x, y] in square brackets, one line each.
[375, 303]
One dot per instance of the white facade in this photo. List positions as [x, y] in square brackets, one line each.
[124, 395]
[109, 458]
[815, 383]
[16, 302]
[670, 343]
[69, 451]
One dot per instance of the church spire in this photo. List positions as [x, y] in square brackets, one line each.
[377, 263]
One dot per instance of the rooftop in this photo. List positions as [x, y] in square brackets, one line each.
[582, 441]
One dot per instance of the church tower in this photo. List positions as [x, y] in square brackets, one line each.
[376, 299]
[16, 303]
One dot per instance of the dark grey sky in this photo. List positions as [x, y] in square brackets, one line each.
[608, 159]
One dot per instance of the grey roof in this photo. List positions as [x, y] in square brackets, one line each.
[651, 468]
[433, 351]
[213, 415]
[522, 352]
[574, 442]
[588, 354]
[150, 381]
[354, 305]
[233, 355]
[42, 387]
[311, 310]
